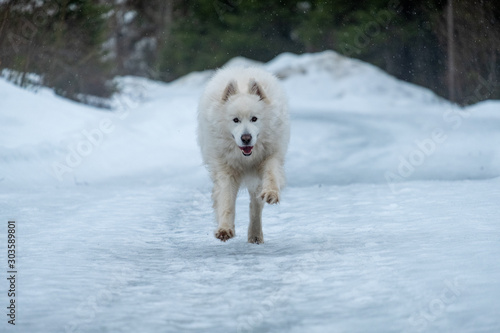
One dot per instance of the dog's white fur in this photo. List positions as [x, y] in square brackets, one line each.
[237, 102]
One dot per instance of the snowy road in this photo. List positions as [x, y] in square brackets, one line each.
[385, 226]
[337, 258]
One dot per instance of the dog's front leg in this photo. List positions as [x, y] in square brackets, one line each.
[273, 179]
[224, 198]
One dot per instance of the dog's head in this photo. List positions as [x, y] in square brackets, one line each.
[245, 113]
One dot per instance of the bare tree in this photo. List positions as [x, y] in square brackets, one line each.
[469, 32]
[451, 51]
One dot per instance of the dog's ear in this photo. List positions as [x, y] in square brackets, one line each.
[256, 89]
[230, 90]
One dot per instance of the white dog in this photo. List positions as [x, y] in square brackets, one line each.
[243, 134]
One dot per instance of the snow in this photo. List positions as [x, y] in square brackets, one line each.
[389, 222]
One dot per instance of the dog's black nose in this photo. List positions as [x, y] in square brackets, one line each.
[246, 138]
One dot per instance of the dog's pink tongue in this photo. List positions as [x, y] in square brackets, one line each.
[246, 150]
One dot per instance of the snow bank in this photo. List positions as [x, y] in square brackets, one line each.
[351, 123]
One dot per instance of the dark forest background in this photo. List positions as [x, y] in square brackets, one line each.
[78, 46]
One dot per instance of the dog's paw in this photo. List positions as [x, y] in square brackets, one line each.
[270, 196]
[255, 239]
[224, 234]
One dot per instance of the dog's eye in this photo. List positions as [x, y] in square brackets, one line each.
[254, 119]
[236, 120]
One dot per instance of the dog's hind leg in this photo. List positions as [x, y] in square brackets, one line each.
[224, 198]
[255, 234]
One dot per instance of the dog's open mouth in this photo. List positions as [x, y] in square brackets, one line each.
[247, 150]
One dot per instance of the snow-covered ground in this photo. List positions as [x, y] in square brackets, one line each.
[390, 222]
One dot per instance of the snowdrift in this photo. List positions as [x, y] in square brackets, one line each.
[351, 123]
